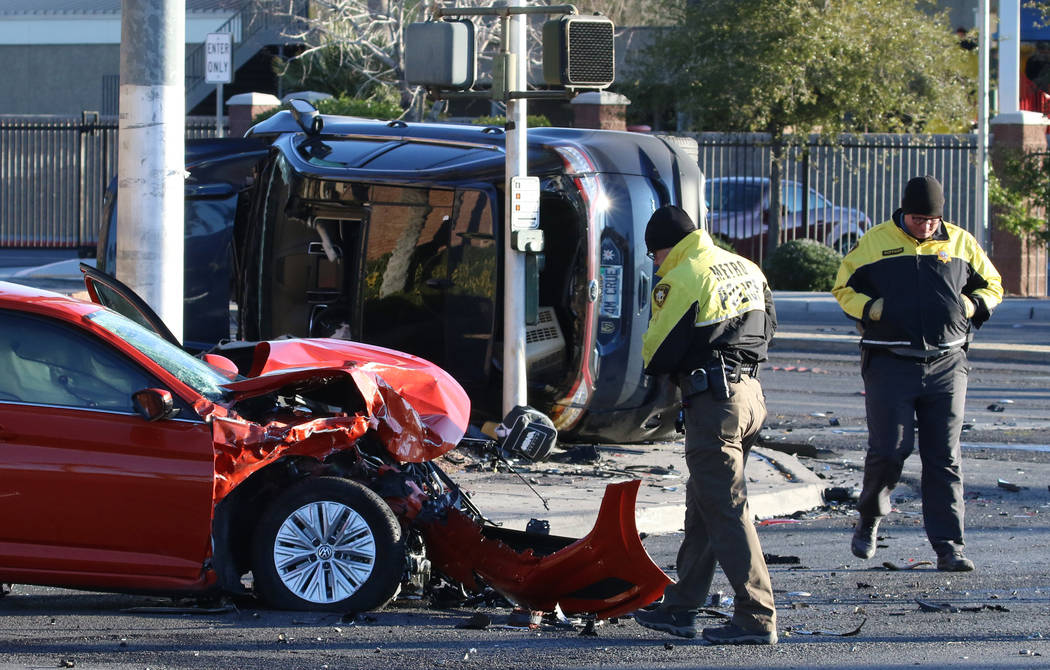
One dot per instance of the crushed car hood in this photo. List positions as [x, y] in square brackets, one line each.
[418, 411]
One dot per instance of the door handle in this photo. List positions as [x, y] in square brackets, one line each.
[643, 290]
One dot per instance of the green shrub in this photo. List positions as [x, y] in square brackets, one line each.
[372, 108]
[802, 265]
[533, 121]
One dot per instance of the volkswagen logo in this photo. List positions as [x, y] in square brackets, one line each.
[325, 552]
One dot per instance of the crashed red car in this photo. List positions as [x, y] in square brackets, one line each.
[129, 464]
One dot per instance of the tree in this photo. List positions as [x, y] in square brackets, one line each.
[356, 47]
[793, 67]
[1020, 191]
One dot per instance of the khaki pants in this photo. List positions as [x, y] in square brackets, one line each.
[718, 526]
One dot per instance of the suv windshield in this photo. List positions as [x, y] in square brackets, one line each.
[191, 371]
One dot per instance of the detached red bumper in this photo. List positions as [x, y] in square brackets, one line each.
[606, 573]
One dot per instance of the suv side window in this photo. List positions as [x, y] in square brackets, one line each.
[50, 363]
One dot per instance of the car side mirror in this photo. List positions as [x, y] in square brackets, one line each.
[154, 404]
[222, 364]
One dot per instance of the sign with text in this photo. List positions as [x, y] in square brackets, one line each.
[218, 58]
[525, 203]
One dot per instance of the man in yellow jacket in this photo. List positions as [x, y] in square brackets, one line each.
[917, 286]
[712, 321]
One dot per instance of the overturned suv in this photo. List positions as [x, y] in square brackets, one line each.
[131, 465]
[392, 234]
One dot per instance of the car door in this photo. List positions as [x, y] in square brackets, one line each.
[90, 492]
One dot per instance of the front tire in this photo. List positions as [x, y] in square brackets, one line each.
[328, 544]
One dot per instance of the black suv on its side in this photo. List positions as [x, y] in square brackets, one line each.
[392, 234]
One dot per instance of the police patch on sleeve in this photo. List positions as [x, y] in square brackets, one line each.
[660, 294]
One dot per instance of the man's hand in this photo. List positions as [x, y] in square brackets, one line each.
[875, 311]
[969, 306]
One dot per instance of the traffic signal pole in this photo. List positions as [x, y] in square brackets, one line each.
[514, 367]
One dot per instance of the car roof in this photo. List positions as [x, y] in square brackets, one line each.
[42, 301]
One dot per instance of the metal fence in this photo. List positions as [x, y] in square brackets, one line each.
[866, 173]
[54, 171]
[53, 175]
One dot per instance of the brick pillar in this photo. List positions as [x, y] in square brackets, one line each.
[1022, 263]
[243, 108]
[601, 110]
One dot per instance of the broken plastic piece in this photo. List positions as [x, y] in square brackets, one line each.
[893, 566]
[606, 573]
[1007, 486]
[851, 633]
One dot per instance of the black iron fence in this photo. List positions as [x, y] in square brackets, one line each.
[831, 189]
[53, 175]
[54, 171]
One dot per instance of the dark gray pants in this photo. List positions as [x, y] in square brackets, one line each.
[718, 524]
[905, 397]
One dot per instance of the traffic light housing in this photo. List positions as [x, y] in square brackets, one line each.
[579, 52]
[440, 54]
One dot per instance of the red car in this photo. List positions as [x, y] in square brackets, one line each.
[128, 464]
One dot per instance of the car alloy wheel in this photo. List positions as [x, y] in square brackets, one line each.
[324, 551]
[328, 544]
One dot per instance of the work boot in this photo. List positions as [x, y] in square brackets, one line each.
[733, 634]
[681, 623]
[954, 561]
[863, 544]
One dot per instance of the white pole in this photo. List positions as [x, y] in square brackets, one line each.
[151, 156]
[514, 379]
[983, 46]
[218, 111]
[1009, 55]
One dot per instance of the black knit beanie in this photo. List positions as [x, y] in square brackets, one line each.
[666, 228]
[923, 196]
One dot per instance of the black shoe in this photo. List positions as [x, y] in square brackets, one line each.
[733, 634]
[954, 561]
[682, 623]
[863, 543]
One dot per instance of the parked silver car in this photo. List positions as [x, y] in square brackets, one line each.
[738, 212]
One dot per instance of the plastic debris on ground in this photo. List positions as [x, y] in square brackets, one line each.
[910, 566]
[849, 633]
[1007, 486]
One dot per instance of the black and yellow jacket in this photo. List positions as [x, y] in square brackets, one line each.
[923, 285]
[708, 300]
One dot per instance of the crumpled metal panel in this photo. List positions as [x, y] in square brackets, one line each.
[418, 411]
[606, 573]
[439, 402]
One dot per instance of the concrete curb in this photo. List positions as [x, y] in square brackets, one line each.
[778, 485]
[829, 343]
[796, 303]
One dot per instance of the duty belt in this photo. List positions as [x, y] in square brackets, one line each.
[735, 372]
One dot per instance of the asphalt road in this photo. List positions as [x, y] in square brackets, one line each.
[996, 617]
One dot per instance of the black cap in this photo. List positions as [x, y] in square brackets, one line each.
[666, 228]
[923, 196]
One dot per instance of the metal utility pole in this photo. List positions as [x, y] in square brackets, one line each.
[151, 157]
[983, 46]
[514, 368]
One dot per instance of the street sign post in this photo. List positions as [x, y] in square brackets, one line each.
[218, 69]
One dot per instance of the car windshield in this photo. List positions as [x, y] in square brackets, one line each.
[191, 371]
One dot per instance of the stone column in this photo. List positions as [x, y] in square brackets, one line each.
[1022, 263]
[601, 110]
[243, 108]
